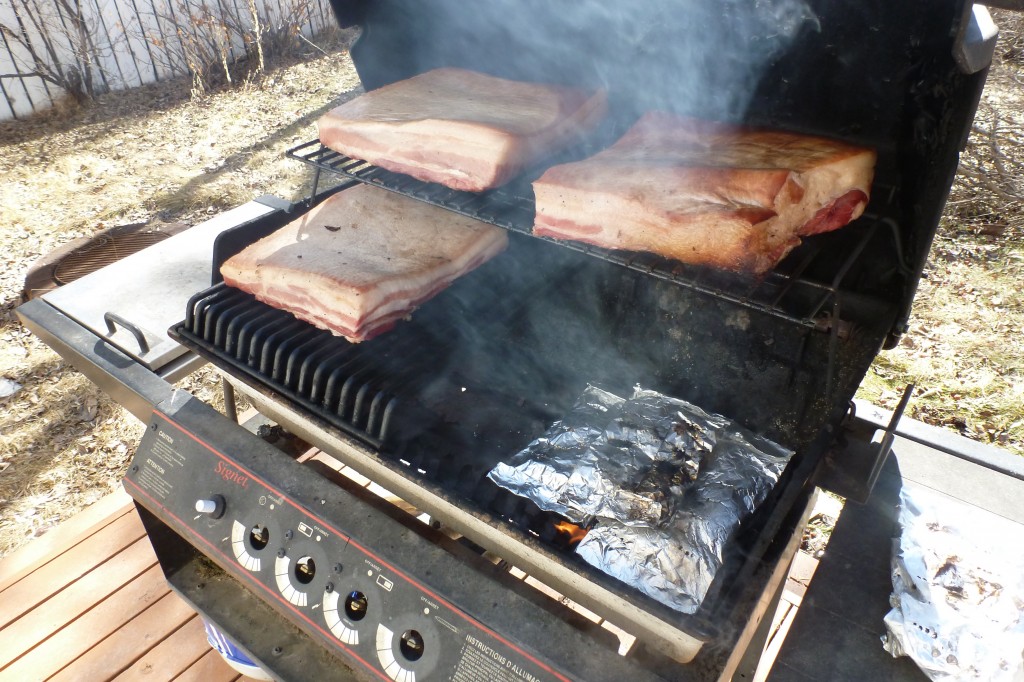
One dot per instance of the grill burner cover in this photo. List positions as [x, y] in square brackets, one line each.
[85, 256]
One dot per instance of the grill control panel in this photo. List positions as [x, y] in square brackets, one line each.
[355, 600]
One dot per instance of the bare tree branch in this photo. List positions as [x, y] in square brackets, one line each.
[66, 43]
[47, 32]
[224, 41]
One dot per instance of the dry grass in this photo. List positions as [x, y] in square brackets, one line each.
[965, 348]
[145, 154]
[154, 154]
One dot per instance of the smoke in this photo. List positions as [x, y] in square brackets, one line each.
[581, 321]
[695, 57]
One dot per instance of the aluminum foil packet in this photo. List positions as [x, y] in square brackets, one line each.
[614, 458]
[676, 562]
[958, 590]
[663, 483]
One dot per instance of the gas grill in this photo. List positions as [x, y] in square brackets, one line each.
[297, 561]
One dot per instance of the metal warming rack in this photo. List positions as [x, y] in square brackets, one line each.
[785, 293]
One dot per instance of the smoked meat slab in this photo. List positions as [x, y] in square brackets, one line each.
[462, 129]
[706, 193]
[362, 260]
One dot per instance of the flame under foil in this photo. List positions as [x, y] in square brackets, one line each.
[665, 483]
[572, 531]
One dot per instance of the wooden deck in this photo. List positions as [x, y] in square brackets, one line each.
[799, 578]
[87, 601]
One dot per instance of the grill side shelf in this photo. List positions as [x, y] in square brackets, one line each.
[788, 295]
[346, 391]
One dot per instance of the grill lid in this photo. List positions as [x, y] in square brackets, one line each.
[878, 74]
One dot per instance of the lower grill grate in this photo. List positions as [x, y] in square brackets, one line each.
[339, 381]
[366, 389]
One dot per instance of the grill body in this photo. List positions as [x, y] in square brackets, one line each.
[484, 367]
[428, 408]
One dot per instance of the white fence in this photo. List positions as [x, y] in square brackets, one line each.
[119, 44]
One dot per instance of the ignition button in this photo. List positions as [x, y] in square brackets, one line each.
[212, 506]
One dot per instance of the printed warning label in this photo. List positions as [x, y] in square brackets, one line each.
[481, 661]
[162, 448]
[159, 462]
[152, 479]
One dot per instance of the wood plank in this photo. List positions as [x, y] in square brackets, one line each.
[792, 597]
[73, 651]
[62, 571]
[69, 533]
[170, 657]
[771, 651]
[64, 607]
[125, 647]
[800, 575]
[210, 668]
[780, 615]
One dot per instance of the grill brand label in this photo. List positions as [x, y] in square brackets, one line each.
[232, 476]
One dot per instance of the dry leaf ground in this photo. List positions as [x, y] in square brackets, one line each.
[965, 347]
[154, 154]
[145, 154]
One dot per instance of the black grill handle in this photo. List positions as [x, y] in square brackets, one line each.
[113, 319]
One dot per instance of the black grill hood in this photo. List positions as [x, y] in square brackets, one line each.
[877, 73]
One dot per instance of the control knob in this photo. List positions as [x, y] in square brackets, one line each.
[212, 506]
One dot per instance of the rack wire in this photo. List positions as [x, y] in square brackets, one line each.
[788, 294]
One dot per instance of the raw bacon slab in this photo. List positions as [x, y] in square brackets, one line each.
[706, 193]
[459, 128]
[362, 260]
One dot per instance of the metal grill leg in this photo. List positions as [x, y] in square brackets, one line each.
[230, 407]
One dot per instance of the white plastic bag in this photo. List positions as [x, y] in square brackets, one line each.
[958, 590]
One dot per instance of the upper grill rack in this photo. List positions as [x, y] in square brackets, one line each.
[786, 294]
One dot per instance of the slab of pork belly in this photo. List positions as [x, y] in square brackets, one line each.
[362, 259]
[706, 193]
[462, 129]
